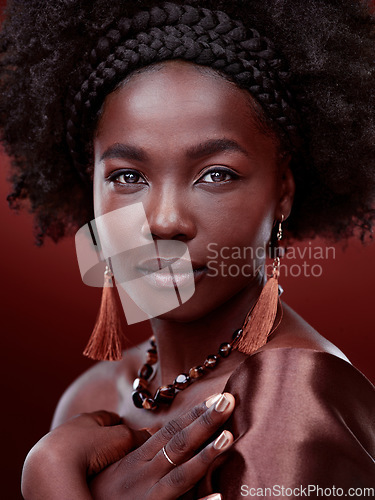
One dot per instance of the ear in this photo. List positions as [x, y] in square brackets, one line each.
[286, 190]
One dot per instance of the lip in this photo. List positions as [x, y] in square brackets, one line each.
[168, 278]
[179, 265]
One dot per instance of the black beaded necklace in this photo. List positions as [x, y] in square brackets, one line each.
[165, 394]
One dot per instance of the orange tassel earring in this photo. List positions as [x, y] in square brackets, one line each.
[105, 340]
[260, 319]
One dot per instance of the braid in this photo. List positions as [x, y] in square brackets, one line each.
[199, 35]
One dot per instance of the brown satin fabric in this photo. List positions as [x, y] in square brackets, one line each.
[302, 417]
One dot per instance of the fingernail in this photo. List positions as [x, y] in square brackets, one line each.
[222, 441]
[215, 496]
[210, 401]
[222, 404]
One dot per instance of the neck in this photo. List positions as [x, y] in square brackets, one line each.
[184, 345]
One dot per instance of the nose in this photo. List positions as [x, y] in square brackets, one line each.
[169, 215]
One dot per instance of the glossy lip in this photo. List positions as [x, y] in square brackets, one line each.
[180, 276]
[179, 265]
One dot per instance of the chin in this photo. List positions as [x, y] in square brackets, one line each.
[185, 313]
[199, 306]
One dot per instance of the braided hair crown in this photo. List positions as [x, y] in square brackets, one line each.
[202, 36]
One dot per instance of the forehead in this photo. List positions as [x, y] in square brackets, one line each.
[178, 101]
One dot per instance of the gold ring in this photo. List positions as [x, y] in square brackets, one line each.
[169, 460]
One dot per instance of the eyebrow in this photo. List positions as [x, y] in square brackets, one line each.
[209, 147]
[213, 146]
[125, 152]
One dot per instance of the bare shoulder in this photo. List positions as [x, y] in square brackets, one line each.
[294, 331]
[99, 388]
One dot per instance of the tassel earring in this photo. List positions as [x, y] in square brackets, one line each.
[105, 340]
[260, 319]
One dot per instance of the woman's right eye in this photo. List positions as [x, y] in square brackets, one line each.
[126, 177]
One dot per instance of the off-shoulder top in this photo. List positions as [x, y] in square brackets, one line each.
[303, 418]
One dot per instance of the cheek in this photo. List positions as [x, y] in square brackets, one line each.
[239, 229]
[256, 223]
[240, 242]
[243, 219]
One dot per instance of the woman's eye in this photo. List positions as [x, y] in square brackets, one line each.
[217, 175]
[127, 178]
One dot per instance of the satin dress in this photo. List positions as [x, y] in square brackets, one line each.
[303, 419]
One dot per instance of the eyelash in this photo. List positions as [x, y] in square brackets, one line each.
[116, 175]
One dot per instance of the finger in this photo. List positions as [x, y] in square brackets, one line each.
[166, 433]
[110, 444]
[183, 444]
[106, 418]
[102, 418]
[110, 439]
[182, 478]
[140, 436]
[214, 496]
[209, 402]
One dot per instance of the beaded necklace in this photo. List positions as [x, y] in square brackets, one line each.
[165, 394]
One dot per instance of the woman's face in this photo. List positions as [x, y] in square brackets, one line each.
[185, 142]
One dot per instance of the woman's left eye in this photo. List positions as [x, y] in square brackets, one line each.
[218, 175]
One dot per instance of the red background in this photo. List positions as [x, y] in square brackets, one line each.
[47, 315]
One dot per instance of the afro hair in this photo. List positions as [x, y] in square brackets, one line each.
[328, 45]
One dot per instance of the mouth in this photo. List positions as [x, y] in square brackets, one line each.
[169, 273]
[154, 265]
[174, 264]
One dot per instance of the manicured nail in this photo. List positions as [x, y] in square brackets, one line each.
[215, 496]
[222, 404]
[210, 401]
[222, 441]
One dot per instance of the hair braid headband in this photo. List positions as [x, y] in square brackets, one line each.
[202, 36]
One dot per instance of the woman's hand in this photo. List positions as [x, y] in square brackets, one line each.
[167, 465]
[59, 465]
